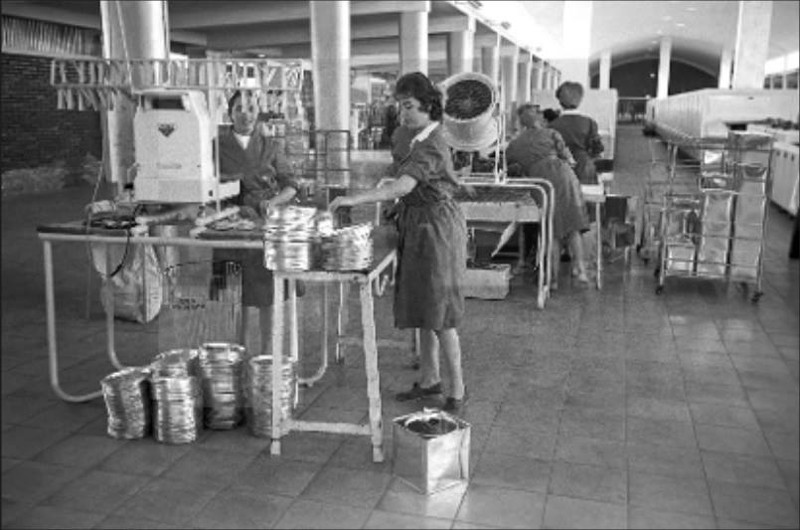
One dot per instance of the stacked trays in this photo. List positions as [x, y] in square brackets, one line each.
[348, 248]
[178, 400]
[127, 398]
[258, 388]
[221, 379]
[288, 238]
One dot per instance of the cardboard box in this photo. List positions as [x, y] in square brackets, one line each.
[434, 458]
[489, 282]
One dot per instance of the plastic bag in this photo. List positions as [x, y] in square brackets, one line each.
[135, 289]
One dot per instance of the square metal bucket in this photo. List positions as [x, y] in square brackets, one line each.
[430, 463]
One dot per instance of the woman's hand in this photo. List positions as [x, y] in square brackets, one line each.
[340, 201]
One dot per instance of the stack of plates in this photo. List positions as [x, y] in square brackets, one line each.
[258, 389]
[178, 409]
[127, 398]
[221, 379]
[348, 248]
[289, 234]
[178, 399]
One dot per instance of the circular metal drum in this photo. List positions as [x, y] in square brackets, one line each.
[177, 409]
[258, 393]
[221, 366]
[180, 362]
[348, 248]
[127, 397]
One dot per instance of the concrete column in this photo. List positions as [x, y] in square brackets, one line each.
[508, 67]
[460, 54]
[752, 44]
[536, 75]
[663, 67]
[330, 66]
[605, 70]
[489, 62]
[131, 30]
[545, 76]
[524, 78]
[577, 36]
[724, 78]
[414, 42]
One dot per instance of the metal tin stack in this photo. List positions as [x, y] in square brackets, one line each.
[221, 380]
[127, 397]
[177, 396]
[258, 392]
[348, 248]
[289, 234]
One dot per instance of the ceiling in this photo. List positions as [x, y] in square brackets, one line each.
[630, 30]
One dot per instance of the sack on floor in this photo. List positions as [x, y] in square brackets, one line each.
[134, 290]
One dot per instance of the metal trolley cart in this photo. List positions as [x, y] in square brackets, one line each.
[714, 210]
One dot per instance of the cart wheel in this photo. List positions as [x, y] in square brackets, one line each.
[756, 297]
[659, 289]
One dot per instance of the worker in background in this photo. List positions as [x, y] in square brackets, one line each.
[432, 242]
[541, 152]
[578, 131]
[266, 181]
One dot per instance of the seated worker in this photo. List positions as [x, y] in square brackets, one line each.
[540, 152]
[578, 131]
[266, 181]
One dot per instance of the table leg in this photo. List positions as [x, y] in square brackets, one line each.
[343, 317]
[599, 252]
[373, 375]
[277, 365]
[309, 381]
[52, 349]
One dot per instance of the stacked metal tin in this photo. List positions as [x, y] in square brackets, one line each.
[288, 238]
[258, 392]
[177, 396]
[348, 248]
[127, 397]
[221, 378]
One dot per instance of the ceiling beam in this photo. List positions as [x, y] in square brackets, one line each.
[299, 32]
[437, 44]
[188, 14]
[58, 15]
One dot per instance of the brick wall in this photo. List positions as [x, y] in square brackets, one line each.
[34, 132]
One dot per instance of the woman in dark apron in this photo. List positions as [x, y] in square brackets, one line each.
[433, 239]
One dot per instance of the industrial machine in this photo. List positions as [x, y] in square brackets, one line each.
[175, 149]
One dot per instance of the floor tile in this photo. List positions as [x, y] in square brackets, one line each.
[241, 509]
[144, 457]
[646, 518]
[169, 501]
[502, 507]
[521, 441]
[784, 445]
[81, 451]
[47, 517]
[512, 471]
[25, 442]
[199, 464]
[672, 494]
[660, 432]
[304, 514]
[348, 487]
[658, 409]
[32, 482]
[731, 440]
[276, 475]
[379, 519]
[116, 522]
[732, 395]
[590, 482]
[724, 415]
[97, 492]
[754, 505]
[400, 497]
[567, 512]
[742, 469]
[580, 450]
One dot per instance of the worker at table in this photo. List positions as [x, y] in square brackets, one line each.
[540, 152]
[432, 240]
[266, 181]
[580, 132]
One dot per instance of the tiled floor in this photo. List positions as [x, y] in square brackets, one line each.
[611, 409]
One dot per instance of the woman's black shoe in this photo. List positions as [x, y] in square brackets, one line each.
[418, 392]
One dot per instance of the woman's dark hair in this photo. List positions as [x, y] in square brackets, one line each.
[232, 101]
[418, 86]
[570, 94]
[550, 115]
